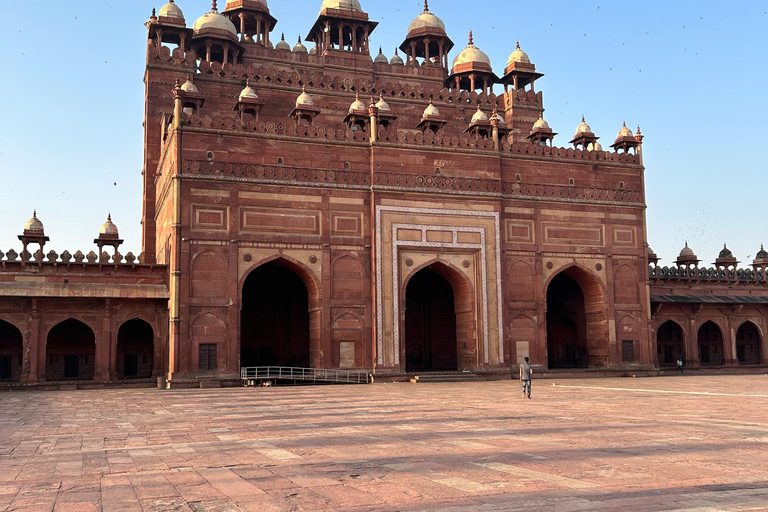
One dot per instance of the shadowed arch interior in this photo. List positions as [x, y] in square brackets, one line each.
[275, 318]
[70, 352]
[577, 323]
[439, 321]
[748, 342]
[135, 350]
[710, 339]
[11, 352]
[670, 344]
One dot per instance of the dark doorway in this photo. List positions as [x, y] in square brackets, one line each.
[430, 323]
[11, 351]
[710, 340]
[135, 350]
[566, 324]
[70, 352]
[748, 343]
[274, 319]
[669, 343]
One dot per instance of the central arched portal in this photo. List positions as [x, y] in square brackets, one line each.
[430, 323]
[274, 320]
[577, 323]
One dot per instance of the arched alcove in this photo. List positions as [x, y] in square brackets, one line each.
[70, 352]
[670, 343]
[135, 350]
[11, 352]
[710, 340]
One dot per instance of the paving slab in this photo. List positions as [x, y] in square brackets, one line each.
[684, 443]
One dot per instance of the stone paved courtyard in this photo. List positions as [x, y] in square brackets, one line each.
[674, 443]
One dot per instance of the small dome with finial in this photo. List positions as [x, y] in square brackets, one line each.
[583, 127]
[479, 116]
[762, 253]
[541, 124]
[282, 45]
[248, 92]
[171, 10]
[300, 48]
[383, 105]
[595, 146]
[518, 56]
[725, 253]
[213, 20]
[625, 132]
[396, 60]
[34, 225]
[431, 110]
[381, 58]
[498, 118]
[189, 86]
[471, 55]
[425, 19]
[357, 105]
[304, 99]
[109, 228]
[687, 252]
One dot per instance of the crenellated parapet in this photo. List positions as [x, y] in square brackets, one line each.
[66, 258]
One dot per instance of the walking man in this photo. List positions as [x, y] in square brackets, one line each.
[681, 366]
[525, 377]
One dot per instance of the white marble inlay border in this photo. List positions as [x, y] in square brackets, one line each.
[379, 281]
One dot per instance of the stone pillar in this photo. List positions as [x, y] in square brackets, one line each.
[104, 346]
[31, 371]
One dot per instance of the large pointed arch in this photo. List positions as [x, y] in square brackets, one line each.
[577, 320]
[749, 343]
[710, 341]
[440, 319]
[670, 343]
[135, 351]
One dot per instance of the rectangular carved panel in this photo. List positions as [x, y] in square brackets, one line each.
[346, 224]
[209, 218]
[578, 234]
[624, 237]
[519, 231]
[283, 221]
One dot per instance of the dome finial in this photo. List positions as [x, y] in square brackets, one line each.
[426, 6]
[109, 215]
[471, 40]
[517, 43]
[214, 7]
[154, 12]
[583, 120]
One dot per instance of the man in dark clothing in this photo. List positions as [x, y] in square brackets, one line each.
[525, 377]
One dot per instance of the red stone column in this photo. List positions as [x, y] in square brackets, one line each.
[31, 371]
[103, 347]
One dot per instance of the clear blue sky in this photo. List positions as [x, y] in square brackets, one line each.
[691, 74]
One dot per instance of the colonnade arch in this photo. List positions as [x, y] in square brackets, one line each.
[135, 350]
[710, 342]
[70, 351]
[748, 343]
[11, 352]
[670, 343]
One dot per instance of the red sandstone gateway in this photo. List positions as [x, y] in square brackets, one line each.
[322, 208]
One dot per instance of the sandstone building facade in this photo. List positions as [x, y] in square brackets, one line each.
[333, 208]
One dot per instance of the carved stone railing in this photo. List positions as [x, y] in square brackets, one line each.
[572, 193]
[681, 273]
[276, 173]
[66, 258]
[440, 183]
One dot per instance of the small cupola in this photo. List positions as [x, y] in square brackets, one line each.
[687, 257]
[381, 58]
[342, 26]
[168, 27]
[34, 233]
[761, 258]
[216, 38]
[541, 134]
[626, 140]
[109, 236]
[520, 71]
[305, 111]
[192, 99]
[479, 125]
[282, 44]
[431, 119]
[300, 48]
[652, 258]
[584, 136]
[357, 115]
[725, 259]
[248, 104]
[396, 60]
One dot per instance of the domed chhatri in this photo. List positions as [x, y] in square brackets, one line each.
[431, 111]
[584, 136]
[304, 99]
[342, 5]
[189, 86]
[171, 10]
[299, 47]
[357, 105]
[541, 124]
[282, 45]
[518, 56]
[425, 20]
[541, 134]
[108, 229]
[762, 253]
[382, 105]
[479, 116]
[725, 253]
[248, 93]
[583, 127]
[625, 132]
[472, 56]
[34, 226]
[726, 259]
[214, 22]
[687, 252]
